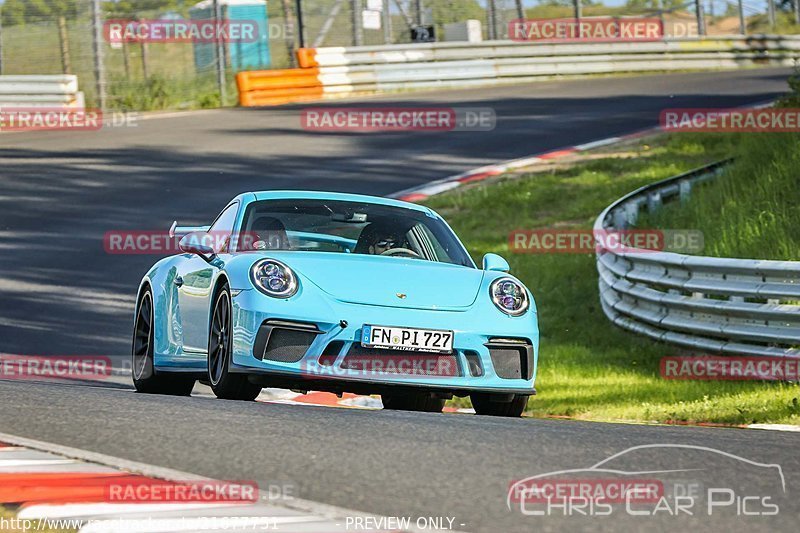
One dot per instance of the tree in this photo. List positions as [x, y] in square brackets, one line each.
[446, 11]
[17, 12]
[131, 8]
[655, 5]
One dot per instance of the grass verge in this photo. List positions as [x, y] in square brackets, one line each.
[10, 523]
[589, 368]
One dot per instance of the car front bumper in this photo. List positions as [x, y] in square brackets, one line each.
[290, 345]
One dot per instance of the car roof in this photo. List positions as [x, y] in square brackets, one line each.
[334, 196]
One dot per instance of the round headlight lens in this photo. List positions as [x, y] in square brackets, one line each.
[509, 296]
[274, 278]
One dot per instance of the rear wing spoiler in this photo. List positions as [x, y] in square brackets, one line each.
[180, 231]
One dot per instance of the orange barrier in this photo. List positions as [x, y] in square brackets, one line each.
[307, 57]
[273, 87]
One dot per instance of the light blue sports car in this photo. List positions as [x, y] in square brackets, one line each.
[340, 293]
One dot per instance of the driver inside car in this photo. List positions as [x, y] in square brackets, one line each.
[376, 240]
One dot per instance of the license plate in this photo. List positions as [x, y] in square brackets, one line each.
[407, 339]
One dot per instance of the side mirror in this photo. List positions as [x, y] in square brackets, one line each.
[195, 243]
[495, 263]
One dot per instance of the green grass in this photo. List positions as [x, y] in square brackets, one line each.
[754, 210]
[7, 515]
[589, 368]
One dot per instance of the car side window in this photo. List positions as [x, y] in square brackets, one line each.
[222, 229]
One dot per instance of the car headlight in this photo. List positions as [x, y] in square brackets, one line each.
[273, 278]
[509, 296]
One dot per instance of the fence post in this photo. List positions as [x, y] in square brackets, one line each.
[301, 34]
[387, 23]
[771, 13]
[99, 60]
[63, 41]
[358, 37]
[288, 26]
[1, 40]
[220, 48]
[701, 20]
[796, 11]
[520, 9]
[491, 14]
[742, 24]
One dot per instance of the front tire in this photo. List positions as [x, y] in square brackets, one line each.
[226, 386]
[491, 405]
[412, 401]
[145, 378]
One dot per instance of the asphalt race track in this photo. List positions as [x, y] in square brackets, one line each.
[60, 293]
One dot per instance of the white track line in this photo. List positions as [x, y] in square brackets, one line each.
[88, 510]
[331, 513]
[774, 427]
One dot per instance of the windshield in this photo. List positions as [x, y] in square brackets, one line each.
[350, 228]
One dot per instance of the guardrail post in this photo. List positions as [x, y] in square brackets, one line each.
[620, 220]
[685, 188]
[653, 202]
[631, 214]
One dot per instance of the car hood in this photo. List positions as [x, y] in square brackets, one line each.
[375, 280]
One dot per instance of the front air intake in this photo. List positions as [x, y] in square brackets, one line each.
[284, 341]
[511, 358]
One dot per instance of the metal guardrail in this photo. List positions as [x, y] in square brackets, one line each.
[346, 71]
[494, 50]
[716, 305]
[40, 91]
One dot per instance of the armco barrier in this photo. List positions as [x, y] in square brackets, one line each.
[709, 304]
[40, 91]
[339, 71]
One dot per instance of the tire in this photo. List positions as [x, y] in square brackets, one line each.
[489, 405]
[226, 386]
[412, 401]
[143, 370]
